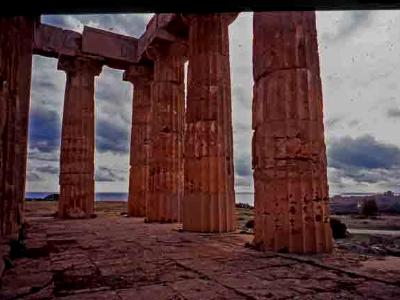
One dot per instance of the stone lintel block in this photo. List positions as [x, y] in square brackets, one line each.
[53, 41]
[111, 46]
[158, 30]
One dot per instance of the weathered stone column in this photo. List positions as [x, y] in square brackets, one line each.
[168, 107]
[289, 157]
[16, 37]
[141, 77]
[209, 198]
[78, 138]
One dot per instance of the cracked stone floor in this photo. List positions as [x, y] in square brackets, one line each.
[115, 257]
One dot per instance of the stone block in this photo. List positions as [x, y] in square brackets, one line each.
[109, 45]
[53, 41]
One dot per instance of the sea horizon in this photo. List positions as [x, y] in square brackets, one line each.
[241, 197]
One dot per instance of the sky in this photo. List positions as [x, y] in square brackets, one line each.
[360, 68]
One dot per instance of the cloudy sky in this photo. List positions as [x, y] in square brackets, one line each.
[360, 65]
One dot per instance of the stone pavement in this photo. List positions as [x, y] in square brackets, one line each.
[115, 257]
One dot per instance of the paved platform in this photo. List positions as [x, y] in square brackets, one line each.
[115, 257]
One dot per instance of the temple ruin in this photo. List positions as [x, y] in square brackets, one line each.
[181, 159]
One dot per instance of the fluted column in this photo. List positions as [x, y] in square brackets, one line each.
[16, 36]
[168, 106]
[209, 197]
[141, 78]
[78, 138]
[289, 156]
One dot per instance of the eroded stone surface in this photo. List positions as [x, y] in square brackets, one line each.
[113, 257]
[78, 138]
[141, 77]
[53, 41]
[109, 45]
[289, 156]
[16, 36]
[168, 108]
[209, 184]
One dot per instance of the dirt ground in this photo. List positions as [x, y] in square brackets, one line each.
[381, 222]
[116, 257]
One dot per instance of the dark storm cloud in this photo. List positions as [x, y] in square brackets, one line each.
[239, 95]
[49, 86]
[240, 128]
[111, 137]
[356, 20]
[332, 122]
[353, 123]
[363, 152]
[32, 177]
[243, 166]
[107, 174]
[106, 90]
[349, 24]
[393, 113]
[48, 169]
[362, 177]
[35, 155]
[44, 130]
[243, 181]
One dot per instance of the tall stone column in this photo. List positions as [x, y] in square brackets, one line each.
[141, 78]
[289, 156]
[16, 37]
[168, 107]
[209, 198]
[78, 138]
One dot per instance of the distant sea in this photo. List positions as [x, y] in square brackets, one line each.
[240, 197]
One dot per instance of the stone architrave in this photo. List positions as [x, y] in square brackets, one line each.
[141, 77]
[16, 40]
[289, 155]
[78, 138]
[167, 128]
[209, 197]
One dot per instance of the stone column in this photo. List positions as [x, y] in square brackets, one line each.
[168, 107]
[209, 198]
[16, 37]
[289, 156]
[141, 78]
[78, 138]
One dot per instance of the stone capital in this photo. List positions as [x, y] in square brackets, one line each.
[165, 50]
[77, 64]
[227, 18]
[138, 74]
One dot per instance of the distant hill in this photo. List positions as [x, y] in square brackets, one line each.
[50, 197]
[387, 203]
